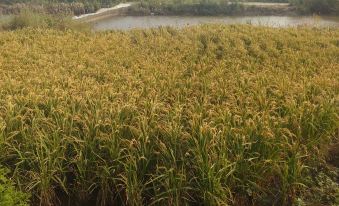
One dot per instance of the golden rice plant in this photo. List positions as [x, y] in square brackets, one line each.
[207, 115]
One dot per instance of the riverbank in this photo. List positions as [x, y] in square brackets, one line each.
[82, 11]
[118, 10]
[214, 9]
[50, 8]
[28, 19]
[228, 9]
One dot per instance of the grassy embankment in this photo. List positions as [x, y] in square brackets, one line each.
[210, 115]
[173, 7]
[209, 8]
[42, 21]
[68, 7]
[219, 7]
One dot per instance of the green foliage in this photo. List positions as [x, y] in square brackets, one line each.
[185, 8]
[92, 2]
[317, 6]
[69, 7]
[275, 1]
[38, 20]
[203, 7]
[9, 196]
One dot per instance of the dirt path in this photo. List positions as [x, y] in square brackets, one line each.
[104, 12]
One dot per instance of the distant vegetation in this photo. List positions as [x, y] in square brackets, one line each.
[208, 115]
[43, 21]
[186, 8]
[200, 7]
[217, 7]
[194, 7]
[69, 7]
[317, 6]
[93, 2]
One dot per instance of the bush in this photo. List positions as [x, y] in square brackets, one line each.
[182, 8]
[9, 196]
[317, 6]
[38, 20]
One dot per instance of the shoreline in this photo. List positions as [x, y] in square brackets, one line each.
[137, 9]
[104, 11]
[230, 9]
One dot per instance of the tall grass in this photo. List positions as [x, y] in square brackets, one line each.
[43, 21]
[208, 115]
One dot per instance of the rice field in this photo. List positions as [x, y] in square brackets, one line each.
[206, 115]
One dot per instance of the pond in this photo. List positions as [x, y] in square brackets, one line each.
[133, 22]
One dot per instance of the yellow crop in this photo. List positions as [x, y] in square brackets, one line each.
[211, 115]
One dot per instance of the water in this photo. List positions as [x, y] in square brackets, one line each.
[133, 22]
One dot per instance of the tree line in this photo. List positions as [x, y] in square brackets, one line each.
[304, 6]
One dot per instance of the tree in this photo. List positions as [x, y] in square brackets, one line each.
[317, 6]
